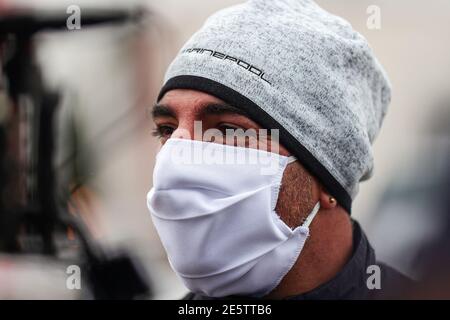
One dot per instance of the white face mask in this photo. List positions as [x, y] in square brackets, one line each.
[217, 220]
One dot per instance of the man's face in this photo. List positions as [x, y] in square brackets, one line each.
[175, 117]
[181, 113]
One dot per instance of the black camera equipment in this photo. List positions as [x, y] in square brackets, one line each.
[31, 219]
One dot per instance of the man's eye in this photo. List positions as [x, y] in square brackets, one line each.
[226, 126]
[163, 131]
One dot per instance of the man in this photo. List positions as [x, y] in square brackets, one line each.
[291, 66]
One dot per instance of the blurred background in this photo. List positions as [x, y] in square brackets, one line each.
[109, 77]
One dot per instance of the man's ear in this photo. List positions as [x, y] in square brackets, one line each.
[327, 201]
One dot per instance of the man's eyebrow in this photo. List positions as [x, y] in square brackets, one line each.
[162, 110]
[220, 108]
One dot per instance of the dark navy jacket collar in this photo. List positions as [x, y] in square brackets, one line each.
[350, 282]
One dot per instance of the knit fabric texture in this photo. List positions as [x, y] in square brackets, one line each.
[293, 66]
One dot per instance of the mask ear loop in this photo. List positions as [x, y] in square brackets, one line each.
[316, 208]
[291, 159]
[311, 216]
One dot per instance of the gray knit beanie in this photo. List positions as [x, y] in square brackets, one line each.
[297, 68]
